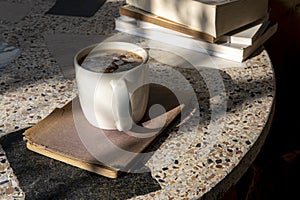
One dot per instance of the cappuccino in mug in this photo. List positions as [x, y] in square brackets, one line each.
[110, 61]
[112, 81]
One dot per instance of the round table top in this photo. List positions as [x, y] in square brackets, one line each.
[201, 158]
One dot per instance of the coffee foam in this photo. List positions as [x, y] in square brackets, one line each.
[111, 61]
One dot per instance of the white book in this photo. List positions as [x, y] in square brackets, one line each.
[231, 51]
[248, 35]
[214, 17]
[131, 23]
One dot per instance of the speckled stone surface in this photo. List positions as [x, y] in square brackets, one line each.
[200, 159]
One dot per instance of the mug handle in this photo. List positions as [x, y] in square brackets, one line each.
[121, 108]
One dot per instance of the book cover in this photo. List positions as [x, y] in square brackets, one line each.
[63, 135]
[215, 18]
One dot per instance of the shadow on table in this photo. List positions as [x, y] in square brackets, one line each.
[233, 93]
[41, 177]
[78, 8]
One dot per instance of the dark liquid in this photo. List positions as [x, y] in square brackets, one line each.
[110, 61]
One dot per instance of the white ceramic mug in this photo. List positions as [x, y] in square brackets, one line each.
[113, 100]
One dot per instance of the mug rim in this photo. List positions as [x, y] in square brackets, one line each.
[92, 46]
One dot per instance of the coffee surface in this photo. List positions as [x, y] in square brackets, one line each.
[111, 61]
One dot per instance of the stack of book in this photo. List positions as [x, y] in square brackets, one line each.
[231, 29]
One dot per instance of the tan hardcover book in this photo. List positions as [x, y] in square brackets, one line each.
[139, 14]
[65, 135]
[214, 17]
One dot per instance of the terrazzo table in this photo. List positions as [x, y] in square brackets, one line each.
[201, 159]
